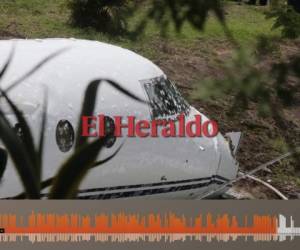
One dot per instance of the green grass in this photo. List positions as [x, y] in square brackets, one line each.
[43, 18]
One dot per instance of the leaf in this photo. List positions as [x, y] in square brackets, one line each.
[47, 183]
[3, 162]
[44, 184]
[27, 135]
[24, 152]
[8, 62]
[34, 159]
[178, 12]
[42, 136]
[101, 162]
[35, 68]
[90, 100]
[70, 175]
[20, 158]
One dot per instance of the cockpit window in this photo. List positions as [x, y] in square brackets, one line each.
[165, 100]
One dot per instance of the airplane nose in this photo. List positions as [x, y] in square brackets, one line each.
[216, 151]
[228, 165]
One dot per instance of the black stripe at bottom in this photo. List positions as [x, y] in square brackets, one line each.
[138, 193]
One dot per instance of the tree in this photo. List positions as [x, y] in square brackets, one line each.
[295, 4]
[107, 16]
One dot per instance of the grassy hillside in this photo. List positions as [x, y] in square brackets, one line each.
[41, 18]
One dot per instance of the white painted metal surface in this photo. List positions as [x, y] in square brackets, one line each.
[145, 167]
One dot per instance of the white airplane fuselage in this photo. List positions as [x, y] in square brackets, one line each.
[179, 168]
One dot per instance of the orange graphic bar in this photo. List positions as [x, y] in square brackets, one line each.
[38, 223]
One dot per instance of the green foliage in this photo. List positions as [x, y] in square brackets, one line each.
[108, 16]
[247, 83]
[279, 145]
[243, 81]
[287, 19]
[178, 12]
[267, 45]
[72, 172]
[38, 19]
[269, 89]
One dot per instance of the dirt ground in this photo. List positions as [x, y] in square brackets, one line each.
[187, 66]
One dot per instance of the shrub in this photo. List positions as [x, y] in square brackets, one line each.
[108, 16]
[287, 19]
